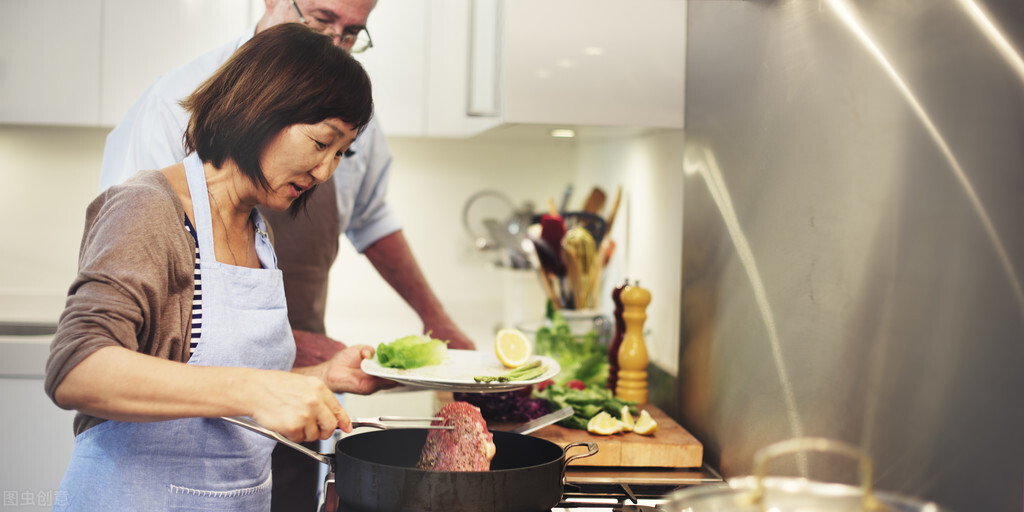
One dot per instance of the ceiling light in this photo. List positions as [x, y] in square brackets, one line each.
[564, 133]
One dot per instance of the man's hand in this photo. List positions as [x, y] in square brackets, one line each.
[449, 331]
[342, 373]
[312, 349]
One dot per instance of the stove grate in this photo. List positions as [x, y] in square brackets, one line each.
[616, 497]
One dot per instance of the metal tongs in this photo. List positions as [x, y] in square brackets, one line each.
[378, 422]
[381, 422]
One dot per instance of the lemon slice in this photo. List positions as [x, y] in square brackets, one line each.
[512, 347]
[627, 419]
[645, 424]
[604, 424]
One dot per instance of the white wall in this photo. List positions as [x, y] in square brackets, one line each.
[49, 175]
[649, 228]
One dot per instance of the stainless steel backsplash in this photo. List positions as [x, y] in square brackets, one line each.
[853, 250]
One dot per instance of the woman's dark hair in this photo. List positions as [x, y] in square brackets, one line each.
[285, 75]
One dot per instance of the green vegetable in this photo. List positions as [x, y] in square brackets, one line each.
[413, 351]
[586, 403]
[525, 372]
[581, 357]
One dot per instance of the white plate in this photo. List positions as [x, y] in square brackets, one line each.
[457, 372]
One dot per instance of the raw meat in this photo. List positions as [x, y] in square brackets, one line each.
[469, 446]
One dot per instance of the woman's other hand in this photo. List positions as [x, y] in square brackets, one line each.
[342, 373]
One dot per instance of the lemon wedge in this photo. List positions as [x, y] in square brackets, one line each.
[645, 424]
[604, 424]
[512, 347]
[627, 419]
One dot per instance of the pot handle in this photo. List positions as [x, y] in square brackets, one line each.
[803, 444]
[591, 450]
[266, 432]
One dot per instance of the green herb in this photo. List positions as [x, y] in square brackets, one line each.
[413, 351]
[581, 357]
[586, 403]
[525, 372]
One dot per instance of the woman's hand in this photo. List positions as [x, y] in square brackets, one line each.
[342, 372]
[120, 384]
[299, 407]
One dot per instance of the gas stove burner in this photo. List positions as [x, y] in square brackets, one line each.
[615, 497]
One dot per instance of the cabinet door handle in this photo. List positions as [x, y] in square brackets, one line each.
[483, 96]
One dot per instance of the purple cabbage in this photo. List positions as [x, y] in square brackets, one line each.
[507, 407]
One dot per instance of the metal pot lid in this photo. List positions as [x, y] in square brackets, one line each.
[782, 494]
[761, 493]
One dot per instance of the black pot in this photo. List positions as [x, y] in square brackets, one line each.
[376, 471]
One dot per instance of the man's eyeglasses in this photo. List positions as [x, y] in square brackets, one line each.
[356, 41]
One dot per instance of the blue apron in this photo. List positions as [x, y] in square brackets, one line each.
[196, 463]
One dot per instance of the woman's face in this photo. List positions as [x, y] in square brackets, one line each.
[301, 156]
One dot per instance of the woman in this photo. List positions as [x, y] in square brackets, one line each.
[149, 367]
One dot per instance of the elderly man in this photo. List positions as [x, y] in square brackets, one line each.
[352, 202]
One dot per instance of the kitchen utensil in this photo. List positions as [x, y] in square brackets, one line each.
[593, 223]
[552, 230]
[549, 257]
[485, 204]
[565, 199]
[758, 492]
[381, 422]
[579, 253]
[610, 219]
[378, 422]
[506, 241]
[606, 250]
[549, 287]
[607, 245]
[376, 471]
[549, 265]
[548, 419]
[595, 201]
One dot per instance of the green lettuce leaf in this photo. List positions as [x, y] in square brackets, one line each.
[413, 351]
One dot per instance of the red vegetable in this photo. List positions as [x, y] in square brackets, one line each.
[576, 384]
[541, 386]
[508, 406]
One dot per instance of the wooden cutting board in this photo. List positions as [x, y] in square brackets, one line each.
[670, 447]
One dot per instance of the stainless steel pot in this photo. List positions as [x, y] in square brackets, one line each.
[760, 493]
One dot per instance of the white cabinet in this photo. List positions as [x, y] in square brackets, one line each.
[418, 66]
[594, 62]
[143, 40]
[49, 61]
[459, 67]
[84, 62]
[397, 65]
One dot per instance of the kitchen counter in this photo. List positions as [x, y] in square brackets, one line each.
[38, 435]
[24, 347]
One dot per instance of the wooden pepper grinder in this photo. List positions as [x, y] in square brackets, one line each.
[632, 378]
[620, 331]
